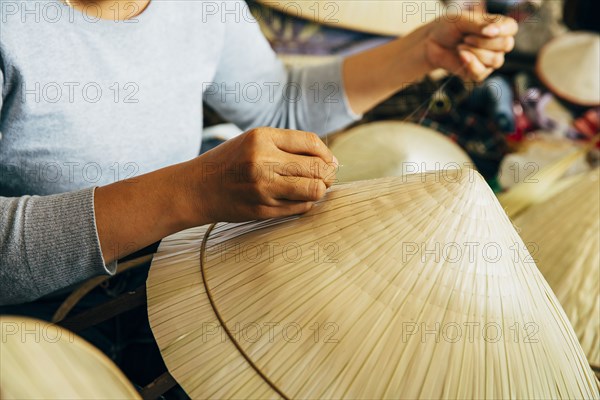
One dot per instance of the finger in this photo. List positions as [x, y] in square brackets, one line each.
[448, 59]
[475, 69]
[489, 25]
[307, 167]
[505, 26]
[504, 44]
[478, 24]
[295, 208]
[303, 143]
[490, 59]
[283, 209]
[298, 189]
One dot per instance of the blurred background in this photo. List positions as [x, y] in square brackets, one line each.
[526, 116]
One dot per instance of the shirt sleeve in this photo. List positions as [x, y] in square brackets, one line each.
[253, 88]
[47, 243]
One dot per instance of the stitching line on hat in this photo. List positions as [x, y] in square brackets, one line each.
[222, 322]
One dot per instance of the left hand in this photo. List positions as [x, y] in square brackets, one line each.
[472, 45]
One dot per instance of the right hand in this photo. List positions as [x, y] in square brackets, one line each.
[261, 174]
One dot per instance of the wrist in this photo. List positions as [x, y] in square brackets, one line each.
[188, 199]
[419, 41]
[411, 63]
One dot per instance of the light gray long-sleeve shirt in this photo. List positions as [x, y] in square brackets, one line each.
[88, 101]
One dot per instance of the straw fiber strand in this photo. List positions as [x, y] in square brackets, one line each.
[179, 322]
[334, 303]
[565, 233]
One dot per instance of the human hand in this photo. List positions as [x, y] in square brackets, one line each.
[263, 173]
[471, 45]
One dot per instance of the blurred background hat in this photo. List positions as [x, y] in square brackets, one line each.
[382, 17]
[569, 66]
[563, 231]
[394, 148]
[39, 360]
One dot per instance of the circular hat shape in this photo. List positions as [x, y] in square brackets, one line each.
[43, 361]
[569, 64]
[381, 17]
[565, 231]
[411, 287]
[392, 148]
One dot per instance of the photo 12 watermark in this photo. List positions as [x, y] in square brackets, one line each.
[269, 252]
[469, 332]
[71, 11]
[451, 252]
[270, 332]
[33, 332]
[79, 92]
[51, 172]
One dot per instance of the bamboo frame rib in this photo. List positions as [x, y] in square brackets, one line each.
[365, 302]
[70, 302]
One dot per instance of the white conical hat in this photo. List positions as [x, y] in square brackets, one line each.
[565, 234]
[394, 18]
[393, 148]
[570, 66]
[372, 294]
[43, 361]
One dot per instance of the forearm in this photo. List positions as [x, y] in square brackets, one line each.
[47, 243]
[137, 212]
[374, 75]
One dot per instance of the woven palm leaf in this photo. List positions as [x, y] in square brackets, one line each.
[565, 233]
[382, 17]
[393, 148]
[43, 361]
[345, 301]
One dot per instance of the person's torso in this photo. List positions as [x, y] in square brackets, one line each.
[89, 101]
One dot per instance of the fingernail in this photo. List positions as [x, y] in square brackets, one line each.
[491, 30]
[335, 161]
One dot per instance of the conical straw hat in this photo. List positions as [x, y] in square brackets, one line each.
[43, 361]
[564, 232]
[569, 66]
[369, 295]
[394, 148]
[382, 17]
